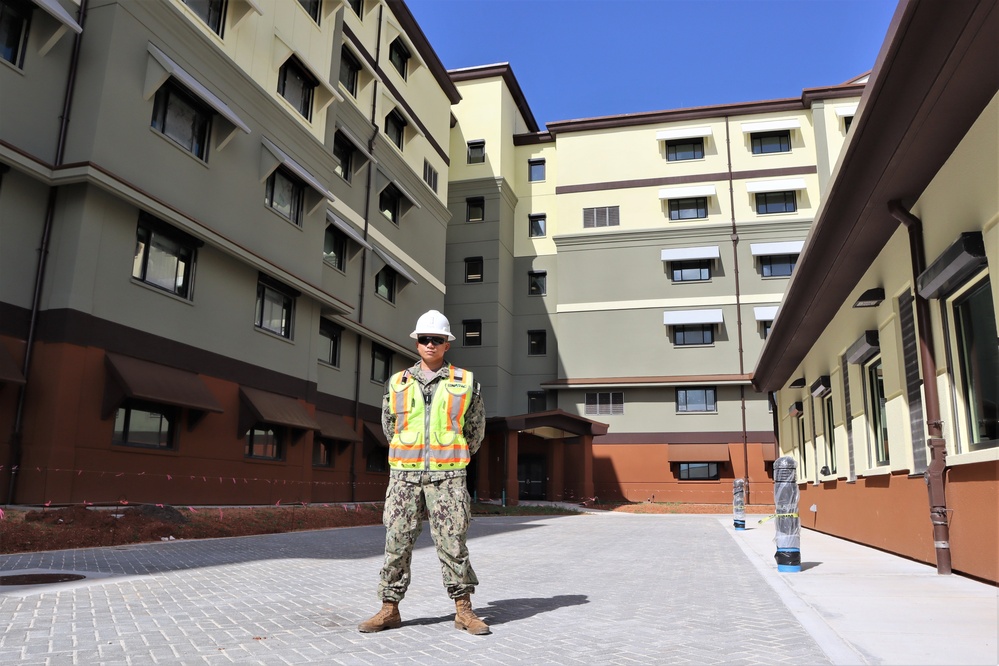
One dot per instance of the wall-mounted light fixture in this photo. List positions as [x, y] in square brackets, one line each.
[870, 298]
[796, 409]
[821, 387]
[797, 383]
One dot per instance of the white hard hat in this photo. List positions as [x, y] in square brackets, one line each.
[432, 322]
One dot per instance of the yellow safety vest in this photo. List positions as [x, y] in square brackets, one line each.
[442, 423]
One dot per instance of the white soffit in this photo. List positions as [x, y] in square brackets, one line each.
[846, 109]
[775, 249]
[683, 253]
[682, 133]
[681, 317]
[782, 185]
[297, 169]
[771, 125]
[685, 192]
[766, 312]
[195, 86]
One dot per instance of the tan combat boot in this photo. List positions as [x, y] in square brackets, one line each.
[387, 618]
[466, 619]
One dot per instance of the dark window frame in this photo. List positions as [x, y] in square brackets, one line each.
[395, 128]
[536, 170]
[285, 330]
[712, 471]
[292, 66]
[681, 209]
[171, 93]
[19, 11]
[681, 150]
[390, 203]
[471, 333]
[350, 70]
[211, 12]
[475, 151]
[150, 230]
[537, 342]
[296, 211]
[775, 203]
[335, 248]
[875, 404]
[380, 355]
[474, 270]
[971, 310]
[387, 283]
[399, 56]
[312, 8]
[328, 331]
[344, 151]
[275, 442]
[710, 400]
[778, 265]
[537, 225]
[537, 283]
[698, 334]
[537, 399]
[475, 209]
[167, 413]
[769, 143]
[684, 270]
[430, 175]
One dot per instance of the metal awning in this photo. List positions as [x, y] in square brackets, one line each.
[766, 312]
[296, 168]
[687, 192]
[394, 264]
[776, 249]
[682, 133]
[779, 185]
[357, 143]
[55, 10]
[771, 125]
[258, 406]
[134, 379]
[690, 253]
[347, 228]
[681, 317]
[697, 452]
[375, 431]
[332, 426]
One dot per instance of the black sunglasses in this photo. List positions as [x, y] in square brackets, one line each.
[427, 339]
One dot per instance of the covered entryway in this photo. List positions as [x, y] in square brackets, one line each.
[539, 456]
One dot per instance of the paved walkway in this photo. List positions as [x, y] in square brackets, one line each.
[590, 589]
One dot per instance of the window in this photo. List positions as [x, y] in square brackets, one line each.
[357, 6]
[381, 363]
[698, 471]
[847, 121]
[537, 283]
[395, 128]
[605, 216]
[385, 284]
[335, 248]
[536, 402]
[771, 142]
[476, 152]
[829, 430]
[322, 452]
[275, 307]
[690, 271]
[430, 175]
[264, 442]
[350, 68]
[144, 424]
[473, 269]
[684, 149]
[471, 332]
[475, 209]
[978, 363]
[390, 203]
[535, 170]
[183, 119]
[212, 12]
[696, 400]
[537, 343]
[14, 18]
[802, 448]
[164, 257]
[311, 8]
[285, 194]
[329, 342]
[538, 224]
[377, 460]
[297, 86]
[399, 56]
[688, 209]
[876, 415]
[605, 403]
[778, 265]
[694, 334]
[343, 151]
[768, 203]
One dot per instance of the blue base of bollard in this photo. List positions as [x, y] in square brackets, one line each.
[788, 560]
[788, 568]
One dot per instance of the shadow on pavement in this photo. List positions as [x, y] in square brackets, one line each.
[509, 610]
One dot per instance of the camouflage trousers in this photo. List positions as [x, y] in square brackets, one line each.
[447, 504]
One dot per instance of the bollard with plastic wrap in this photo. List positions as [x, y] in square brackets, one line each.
[787, 535]
[739, 504]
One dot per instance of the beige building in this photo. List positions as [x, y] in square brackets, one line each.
[884, 359]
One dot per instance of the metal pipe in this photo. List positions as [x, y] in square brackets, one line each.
[937, 468]
[43, 252]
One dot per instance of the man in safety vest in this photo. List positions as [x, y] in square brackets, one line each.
[434, 419]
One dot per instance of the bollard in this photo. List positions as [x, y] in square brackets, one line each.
[788, 525]
[739, 504]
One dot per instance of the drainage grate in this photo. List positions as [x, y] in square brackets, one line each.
[39, 579]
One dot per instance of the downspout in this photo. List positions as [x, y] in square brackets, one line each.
[364, 260]
[934, 474]
[738, 312]
[43, 252]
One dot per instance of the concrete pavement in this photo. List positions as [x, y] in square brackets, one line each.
[597, 588]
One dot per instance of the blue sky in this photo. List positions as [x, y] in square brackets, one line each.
[587, 58]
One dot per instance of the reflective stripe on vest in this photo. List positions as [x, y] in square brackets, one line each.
[448, 448]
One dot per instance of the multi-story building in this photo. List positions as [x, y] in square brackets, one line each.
[217, 220]
[614, 279]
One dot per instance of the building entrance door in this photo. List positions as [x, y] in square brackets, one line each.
[531, 476]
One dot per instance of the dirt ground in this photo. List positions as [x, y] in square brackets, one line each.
[82, 526]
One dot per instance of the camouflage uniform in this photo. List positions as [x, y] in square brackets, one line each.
[443, 494]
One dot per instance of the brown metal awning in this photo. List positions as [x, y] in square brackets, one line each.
[9, 372]
[769, 452]
[552, 424]
[256, 406]
[133, 379]
[332, 426]
[698, 452]
[375, 431]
